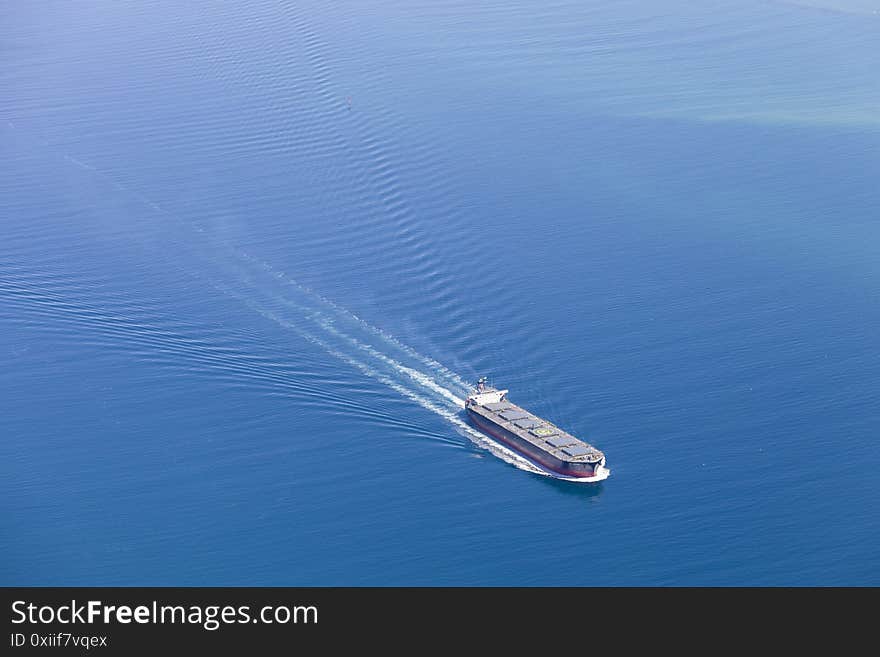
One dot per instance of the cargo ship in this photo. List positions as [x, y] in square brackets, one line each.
[537, 440]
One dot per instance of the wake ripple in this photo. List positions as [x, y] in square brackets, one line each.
[375, 353]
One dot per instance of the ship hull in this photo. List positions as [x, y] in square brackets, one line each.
[531, 452]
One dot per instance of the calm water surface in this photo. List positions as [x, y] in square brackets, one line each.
[252, 253]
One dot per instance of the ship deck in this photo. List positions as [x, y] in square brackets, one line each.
[537, 431]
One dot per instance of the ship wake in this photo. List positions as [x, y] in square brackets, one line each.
[283, 300]
[372, 351]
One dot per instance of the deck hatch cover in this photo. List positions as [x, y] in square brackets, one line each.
[577, 450]
[561, 441]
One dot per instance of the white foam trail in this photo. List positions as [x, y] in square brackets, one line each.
[419, 377]
[428, 382]
[448, 406]
[363, 367]
[449, 410]
[328, 325]
[451, 414]
[390, 339]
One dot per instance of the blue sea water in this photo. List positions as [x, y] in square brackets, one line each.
[251, 253]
